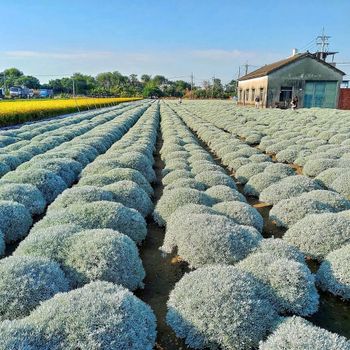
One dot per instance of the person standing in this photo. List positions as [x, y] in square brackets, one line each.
[257, 102]
[294, 102]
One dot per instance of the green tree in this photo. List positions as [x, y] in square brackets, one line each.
[231, 88]
[145, 78]
[151, 89]
[28, 81]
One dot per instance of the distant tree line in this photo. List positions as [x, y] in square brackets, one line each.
[116, 84]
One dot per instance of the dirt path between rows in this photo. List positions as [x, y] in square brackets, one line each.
[161, 272]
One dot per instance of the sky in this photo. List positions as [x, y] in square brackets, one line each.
[209, 38]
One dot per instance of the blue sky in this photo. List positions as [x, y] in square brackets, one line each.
[173, 37]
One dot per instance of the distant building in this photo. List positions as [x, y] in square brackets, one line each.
[315, 82]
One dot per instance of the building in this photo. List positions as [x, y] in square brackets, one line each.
[314, 81]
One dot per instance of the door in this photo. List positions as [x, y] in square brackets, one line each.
[320, 94]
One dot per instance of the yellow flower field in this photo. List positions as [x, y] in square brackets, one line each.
[13, 112]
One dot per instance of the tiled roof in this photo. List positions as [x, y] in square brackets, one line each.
[269, 68]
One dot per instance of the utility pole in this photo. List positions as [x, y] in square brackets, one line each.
[73, 87]
[323, 42]
[246, 66]
[212, 88]
[192, 80]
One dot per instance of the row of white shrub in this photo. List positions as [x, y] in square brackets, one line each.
[226, 306]
[87, 240]
[40, 137]
[207, 233]
[300, 204]
[318, 140]
[26, 191]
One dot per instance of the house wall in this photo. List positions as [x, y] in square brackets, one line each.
[344, 99]
[247, 87]
[295, 75]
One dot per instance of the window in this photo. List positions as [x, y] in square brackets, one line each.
[261, 93]
[240, 95]
[247, 95]
[253, 95]
[286, 94]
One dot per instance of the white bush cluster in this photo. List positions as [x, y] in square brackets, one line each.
[317, 140]
[220, 306]
[334, 272]
[190, 175]
[316, 235]
[271, 174]
[99, 315]
[290, 283]
[288, 187]
[289, 211]
[300, 334]
[311, 141]
[204, 239]
[27, 281]
[87, 255]
[87, 231]
[50, 156]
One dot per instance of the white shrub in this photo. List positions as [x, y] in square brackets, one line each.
[116, 175]
[341, 184]
[236, 162]
[66, 168]
[277, 169]
[220, 306]
[103, 255]
[100, 315]
[245, 172]
[326, 177]
[25, 194]
[186, 183]
[81, 195]
[131, 195]
[280, 249]
[27, 281]
[203, 239]
[316, 235]
[15, 220]
[334, 272]
[50, 242]
[98, 215]
[138, 161]
[288, 187]
[313, 167]
[176, 175]
[259, 182]
[50, 184]
[215, 178]
[290, 283]
[176, 198]
[241, 213]
[300, 334]
[221, 193]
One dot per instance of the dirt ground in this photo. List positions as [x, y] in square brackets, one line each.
[161, 272]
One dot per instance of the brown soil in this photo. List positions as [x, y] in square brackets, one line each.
[161, 272]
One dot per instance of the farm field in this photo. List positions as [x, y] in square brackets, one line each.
[19, 111]
[159, 225]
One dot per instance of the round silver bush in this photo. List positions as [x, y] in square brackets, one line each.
[220, 306]
[317, 235]
[300, 334]
[334, 273]
[204, 239]
[241, 213]
[99, 315]
[25, 282]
